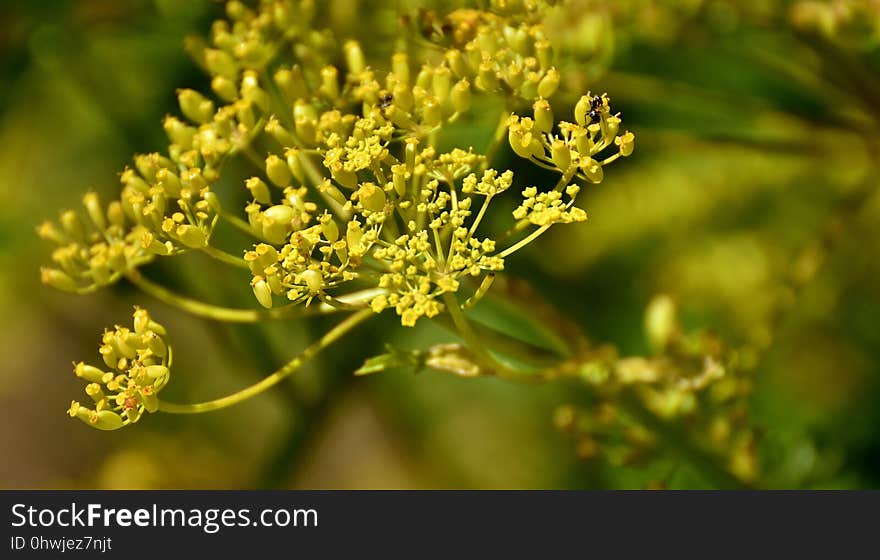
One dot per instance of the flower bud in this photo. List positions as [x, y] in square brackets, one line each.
[626, 142]
[344, 177]
[259, 190]
[195, 106]
[581, 108]
[487, 77]
[400, 67]
[278, 171]
[88, 373]
[560, 153]
[262, 292]
[549, 83]
[442, 83]
[58, 279]
[327, 189]
[353, 236]
[220, 62]
[372, 197]
[291, 83]
[543, 115]
[329, 229]
[179, 132]
[277, 223]
[314, 280]
[105, 420]
[279, 133]
[192, 236]
[461, 96]
[661, 322]
[94, 210]
[354, 57]
[329, 82]
[294, 163]
[592, 170]
[432, 111]
[72, 225]
[169, 182]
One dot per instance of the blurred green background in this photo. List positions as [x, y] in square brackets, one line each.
[751, 198]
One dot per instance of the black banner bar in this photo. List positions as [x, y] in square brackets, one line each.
[329, 524]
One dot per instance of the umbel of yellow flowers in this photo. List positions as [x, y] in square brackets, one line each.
[352, 205]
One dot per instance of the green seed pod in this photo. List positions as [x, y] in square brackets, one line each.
[259, 190]
[88, 373]
[461, 96]
[195, 106]
[549, 83]
[278, 171]
[262, 292]
[560, 153]
[314, 280]
[543, 115]
[372, 197]
[192, 236]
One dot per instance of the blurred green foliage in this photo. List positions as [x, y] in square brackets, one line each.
[752, 199]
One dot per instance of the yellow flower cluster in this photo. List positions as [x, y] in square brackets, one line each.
[138, 360]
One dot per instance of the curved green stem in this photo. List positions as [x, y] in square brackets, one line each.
[224, 257]
[226, 314]
[289, 368]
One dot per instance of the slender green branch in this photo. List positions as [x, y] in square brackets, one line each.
[285, 371]
[224, 257]
[225, 314]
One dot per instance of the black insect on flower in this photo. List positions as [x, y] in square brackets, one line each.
[385, 100]
[596, 102]
[594, 116]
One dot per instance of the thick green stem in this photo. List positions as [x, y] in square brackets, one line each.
[285, 371]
